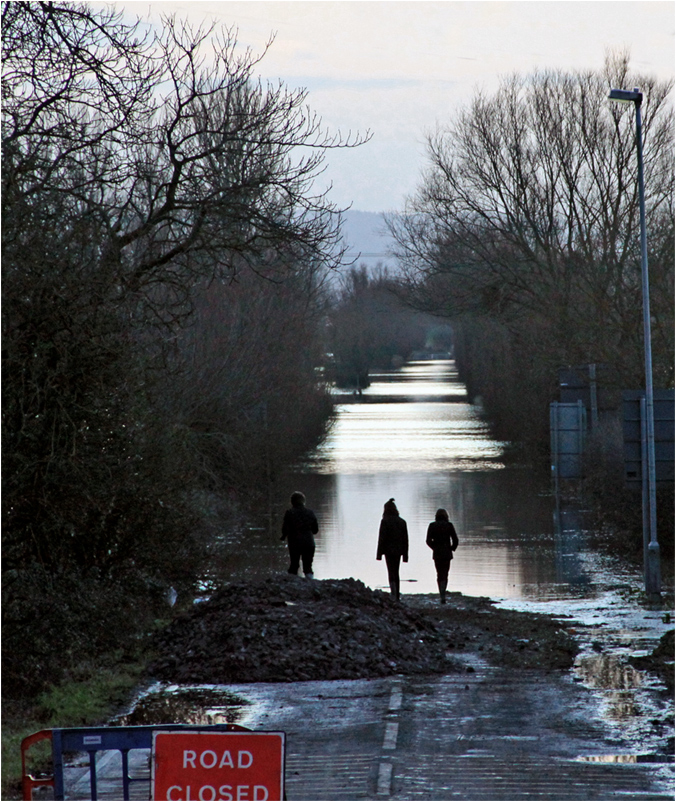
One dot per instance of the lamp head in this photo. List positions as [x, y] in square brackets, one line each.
[626, 95]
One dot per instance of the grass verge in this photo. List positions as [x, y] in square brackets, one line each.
[89, 699]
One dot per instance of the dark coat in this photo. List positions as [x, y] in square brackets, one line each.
[299, 525]
[393, 537]
[442, 539]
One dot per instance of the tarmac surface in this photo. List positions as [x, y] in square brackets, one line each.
[600, 730]
[489, 734]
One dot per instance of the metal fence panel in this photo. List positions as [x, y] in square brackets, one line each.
[663, 407]
[104, 742]
[568, 426]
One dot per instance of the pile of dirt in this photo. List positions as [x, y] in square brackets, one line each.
[288, 629]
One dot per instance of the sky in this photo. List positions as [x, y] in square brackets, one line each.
[398, 69]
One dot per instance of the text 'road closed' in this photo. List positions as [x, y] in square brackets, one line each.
[205, 766]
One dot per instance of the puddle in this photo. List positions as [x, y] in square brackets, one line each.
[185, 704]
[612, 627]
[608, 672]
[620, 683]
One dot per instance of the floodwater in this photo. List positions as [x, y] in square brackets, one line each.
[414, 436]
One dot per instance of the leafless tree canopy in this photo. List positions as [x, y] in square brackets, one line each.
[171, 144]
[163, 253]
[369, 326]
[528, 214]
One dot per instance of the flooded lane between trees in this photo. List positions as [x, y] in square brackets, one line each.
[415, 436]
[603, 730]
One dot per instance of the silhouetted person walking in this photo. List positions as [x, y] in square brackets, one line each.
[299, 527]
[393, 543]
[443, 540]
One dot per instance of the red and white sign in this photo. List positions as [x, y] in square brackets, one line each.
[207, 765]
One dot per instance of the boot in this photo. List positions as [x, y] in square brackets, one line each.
[442, 592]
[310, 576]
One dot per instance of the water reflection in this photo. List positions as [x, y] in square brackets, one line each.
[609, 672]
[570, 542]
[614, 676]
[432, 453]
[627, 758]
[608, 758]
[405, 437]
[184, 705]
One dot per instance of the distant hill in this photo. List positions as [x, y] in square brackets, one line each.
[364, 233]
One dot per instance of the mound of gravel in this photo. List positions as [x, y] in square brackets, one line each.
[288, 629]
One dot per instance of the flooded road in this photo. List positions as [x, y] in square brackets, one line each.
[602, 730]
[415, 436]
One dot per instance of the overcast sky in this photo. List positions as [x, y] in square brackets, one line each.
[398, 68]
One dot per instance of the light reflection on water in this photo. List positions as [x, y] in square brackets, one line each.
[407, 437]
[611, 674]
[429, 454]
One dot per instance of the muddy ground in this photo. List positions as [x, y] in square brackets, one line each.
[288, 629]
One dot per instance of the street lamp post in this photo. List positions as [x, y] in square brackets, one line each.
[652, 567]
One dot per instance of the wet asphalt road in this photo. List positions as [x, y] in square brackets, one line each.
[489, 734]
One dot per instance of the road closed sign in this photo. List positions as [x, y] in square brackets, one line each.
[206, 765]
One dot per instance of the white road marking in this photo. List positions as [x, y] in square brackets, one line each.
[385, 779]
[395, 699]
[391, 732]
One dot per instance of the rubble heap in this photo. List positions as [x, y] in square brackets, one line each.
[288, 629]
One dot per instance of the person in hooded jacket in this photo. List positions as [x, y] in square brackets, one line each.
[443, 540]
[298, 528]
[393, 543]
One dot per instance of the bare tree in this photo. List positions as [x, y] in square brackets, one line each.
[137, 169]
[369, 325]
[529, 212]
[244, 386]
[525, 233]
[174, 156]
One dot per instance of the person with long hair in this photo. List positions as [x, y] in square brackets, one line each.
[443, 540]
[393, 543]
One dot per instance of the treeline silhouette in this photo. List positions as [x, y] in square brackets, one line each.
[371, 327]
[524, 233]
[164, 256]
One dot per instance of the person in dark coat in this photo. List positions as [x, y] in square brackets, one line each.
[393, 543]
[443, 540]
[298, 528]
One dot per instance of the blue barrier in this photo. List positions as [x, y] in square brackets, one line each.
[100, 739]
